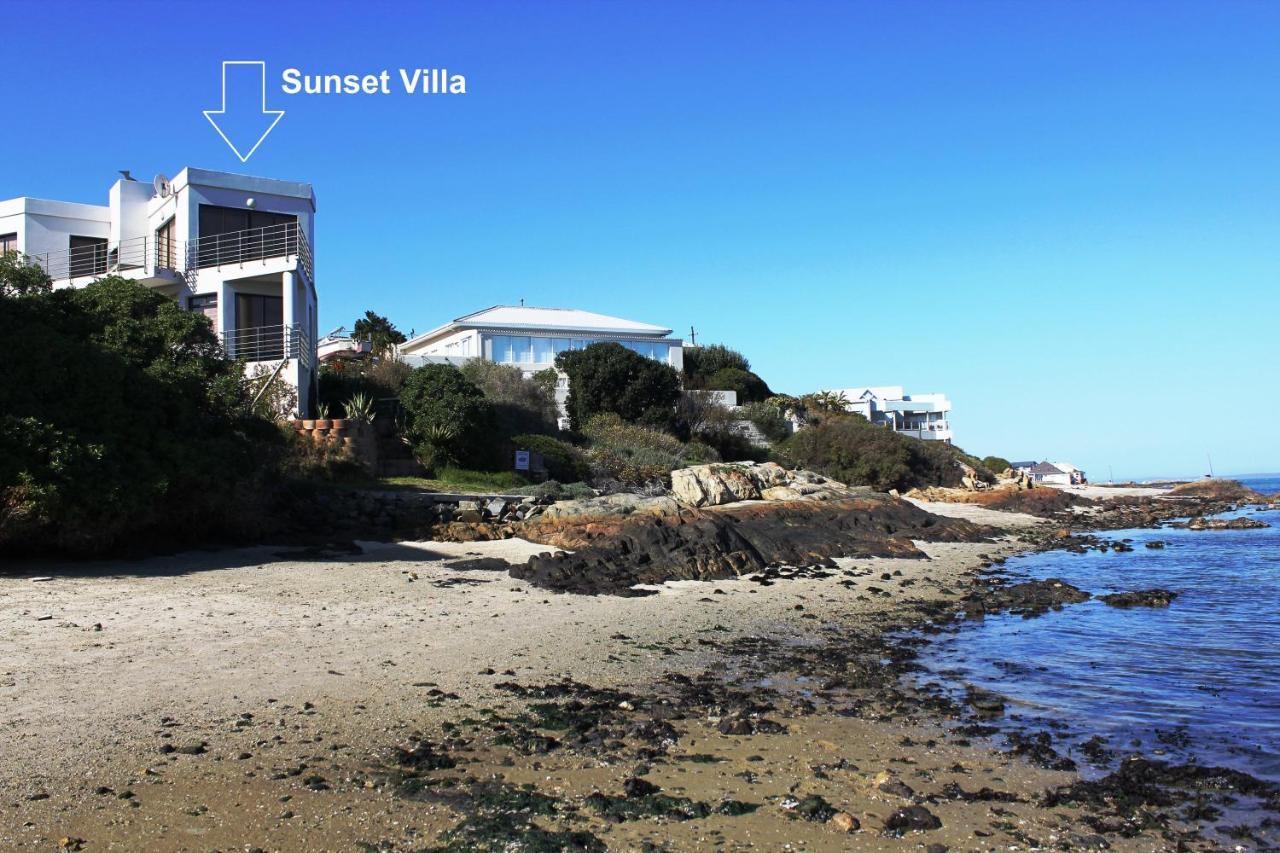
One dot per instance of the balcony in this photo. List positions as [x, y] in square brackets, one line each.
[156, 261]
[269, 343]
[239, 248]
[147, 259]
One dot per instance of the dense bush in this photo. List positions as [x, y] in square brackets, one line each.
[565, 463]
[446, 418]
[768, 419]
[631, 453]
[996, 464]
[609, 378]
[120, 418]
[378, 378]
[520, 405]
[380, 332]
[701, 362]
[851, 449]
[749, 387]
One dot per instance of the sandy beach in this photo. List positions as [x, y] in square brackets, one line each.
[245, 699]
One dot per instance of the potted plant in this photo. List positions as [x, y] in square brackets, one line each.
[322, 416]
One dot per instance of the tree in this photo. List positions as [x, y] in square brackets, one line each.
[19, 277]
[446, 417]
[608, 377]
[380, 332]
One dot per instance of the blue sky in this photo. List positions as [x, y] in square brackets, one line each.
[1064, 215]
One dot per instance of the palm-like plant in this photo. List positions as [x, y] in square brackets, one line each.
[360, 408]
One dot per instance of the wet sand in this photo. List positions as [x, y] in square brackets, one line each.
[246, 699]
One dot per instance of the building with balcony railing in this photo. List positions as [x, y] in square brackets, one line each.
[233, 247]
[923, 416]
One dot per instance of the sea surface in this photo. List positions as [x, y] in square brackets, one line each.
[1198, 681]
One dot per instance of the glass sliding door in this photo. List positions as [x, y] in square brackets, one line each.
[259, 327]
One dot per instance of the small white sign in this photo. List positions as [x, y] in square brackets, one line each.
[522, 460]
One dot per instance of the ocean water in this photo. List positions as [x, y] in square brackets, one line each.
[1198, 681]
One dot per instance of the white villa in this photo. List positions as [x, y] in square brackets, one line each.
[530, 338]
[234, 247]
[921, 416]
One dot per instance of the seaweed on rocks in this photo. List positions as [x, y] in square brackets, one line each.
[1139, 598]
[733, 541]
[1032, 598]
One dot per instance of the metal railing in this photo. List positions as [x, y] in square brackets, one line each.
[136, 254]
[254, 244]
[269, 343]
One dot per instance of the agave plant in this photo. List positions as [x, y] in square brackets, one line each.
[360, 407]
[322, 411]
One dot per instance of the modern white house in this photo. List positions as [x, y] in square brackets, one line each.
[921, 416]
[233, 247]
[530, 338]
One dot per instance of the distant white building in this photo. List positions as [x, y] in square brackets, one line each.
[1052, 473]
[530, 338]
[232, 247]
[921, 416]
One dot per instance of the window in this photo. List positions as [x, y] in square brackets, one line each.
[165, 255]
[87, 256]
[259, 334]
[232, 234]
[543, 352]
[206, 304]
[8, 243]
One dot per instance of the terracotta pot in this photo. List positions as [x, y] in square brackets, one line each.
[307, 424]
[323, 423]
[339, 423]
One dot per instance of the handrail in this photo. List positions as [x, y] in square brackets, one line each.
[99, 259]
[252, 244]
[269, 343]
[150, 254]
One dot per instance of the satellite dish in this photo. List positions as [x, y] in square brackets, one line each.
[163, 188]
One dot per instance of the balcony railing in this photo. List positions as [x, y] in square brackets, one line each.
[255, 244]
[269, 343]
[136, 254]
[149, 255]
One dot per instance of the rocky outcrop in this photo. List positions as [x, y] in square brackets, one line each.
[1139, 598]
[1032, 598]
[719, 484]
[1239, 523]
[613, 554]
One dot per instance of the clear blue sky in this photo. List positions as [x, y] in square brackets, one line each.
[1064, 215]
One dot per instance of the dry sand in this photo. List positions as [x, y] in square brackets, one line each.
[287, 664]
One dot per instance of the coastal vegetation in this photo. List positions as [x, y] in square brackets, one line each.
[717, 368]
[609, 378]
[123, 419]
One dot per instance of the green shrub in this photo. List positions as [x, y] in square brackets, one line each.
[851, 449]
[447, 419]
[565, 463]
[557, 491]
[701, 362]
[123, 422]
[768, 419]
[749, 387]
[609, 378]
[465, 478]
[996, 464]
[520, 406]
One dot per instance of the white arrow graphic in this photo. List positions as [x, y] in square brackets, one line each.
[246, 111]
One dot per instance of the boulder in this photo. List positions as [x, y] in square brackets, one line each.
[781, 493]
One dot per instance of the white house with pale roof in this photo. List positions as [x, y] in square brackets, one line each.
[923, 416]
[530, 338]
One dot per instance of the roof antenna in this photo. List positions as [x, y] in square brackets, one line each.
[521, 301]
[693, 337]
[127, 176]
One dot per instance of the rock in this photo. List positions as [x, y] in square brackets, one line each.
[195, 747]
[1140, 598]
[496, 508]
[985, 702]
[636, 787]
[911, 819]
[1240, 523]
[844, 822]
[469, 516]
[781, 493]
[815, 808]
[41, 579]
[897, 788]
[1032, 598]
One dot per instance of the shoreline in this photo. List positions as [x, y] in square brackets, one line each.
[366, 699]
